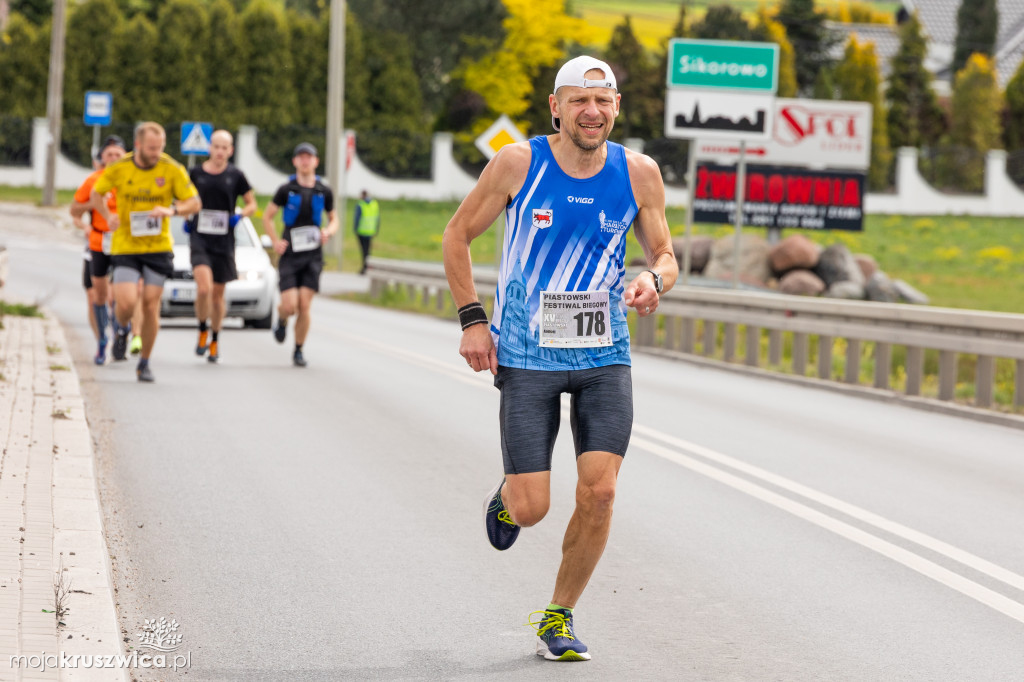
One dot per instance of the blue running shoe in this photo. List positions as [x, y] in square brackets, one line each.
[556, 640]
[101, 351]
[501, 530]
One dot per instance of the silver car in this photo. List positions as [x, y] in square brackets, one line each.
[251, 297]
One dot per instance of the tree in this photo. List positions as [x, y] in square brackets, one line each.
[227, 79]
[183, 27]
[396, 142]
[640, 115]
[91, 38]
[722, 22]
[36, 11]
[810, 38]
[133, 91]
[975, 122]
[309, 50]
[269, 98]
[357, 112]
[440, 37]
[824, 84]
[536, 35]
[977, 24]
[24, 62]
[1013, 118]
[914, 118]
[770, 31]
[858, 80]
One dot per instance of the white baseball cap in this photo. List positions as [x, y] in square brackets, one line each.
[574, 71]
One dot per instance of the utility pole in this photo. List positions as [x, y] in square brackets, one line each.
[54, 100]
[336, 117]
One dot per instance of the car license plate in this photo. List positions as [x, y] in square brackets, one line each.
[183, 294]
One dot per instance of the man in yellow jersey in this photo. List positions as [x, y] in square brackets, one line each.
[151, 187]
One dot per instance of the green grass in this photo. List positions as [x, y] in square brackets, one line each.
[19, 309]
[652, 20]
[33, 195]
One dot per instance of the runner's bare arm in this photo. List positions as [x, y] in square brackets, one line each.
[97, 202]
[78, 208]
[181, 207]
[332, 226]
[651, 229]
[250, 203]
[499, 182]
[280, 245]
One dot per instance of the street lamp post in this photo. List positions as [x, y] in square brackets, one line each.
[336, 116]
[54, 100]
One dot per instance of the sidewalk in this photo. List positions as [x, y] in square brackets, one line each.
[49, 514]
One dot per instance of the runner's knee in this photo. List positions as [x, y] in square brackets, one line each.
[527, 512]
[527, 505]
[595, 497]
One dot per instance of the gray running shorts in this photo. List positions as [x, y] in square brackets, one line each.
[600, 413]
[152, 268]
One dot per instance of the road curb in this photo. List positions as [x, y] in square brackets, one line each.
[58, 513]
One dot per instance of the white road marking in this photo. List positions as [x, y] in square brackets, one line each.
[915, 562]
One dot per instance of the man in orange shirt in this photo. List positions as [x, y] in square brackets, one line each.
[99, 240]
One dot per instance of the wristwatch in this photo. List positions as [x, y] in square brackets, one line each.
[658, 283]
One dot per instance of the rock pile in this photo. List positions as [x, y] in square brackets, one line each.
[796, 265]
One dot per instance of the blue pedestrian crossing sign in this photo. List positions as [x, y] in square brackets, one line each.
[99, 108]
[195, 138]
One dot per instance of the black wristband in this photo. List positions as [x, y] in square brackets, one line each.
[472, 313]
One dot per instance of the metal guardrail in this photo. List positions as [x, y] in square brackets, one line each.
[721, 315]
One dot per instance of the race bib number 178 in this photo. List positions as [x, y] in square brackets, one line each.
[575, 319]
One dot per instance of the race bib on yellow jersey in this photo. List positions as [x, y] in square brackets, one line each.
[212, 222]
[305, 238]
[575, 319]
[145, 225]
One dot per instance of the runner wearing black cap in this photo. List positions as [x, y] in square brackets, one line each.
[303, 200]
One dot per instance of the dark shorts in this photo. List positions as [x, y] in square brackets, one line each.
[222, 264]
[87, 273]
[153, 268]
[100, 264]
[295, 273]
[600, 413]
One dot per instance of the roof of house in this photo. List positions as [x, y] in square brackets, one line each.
[938, 18]
[885, 37]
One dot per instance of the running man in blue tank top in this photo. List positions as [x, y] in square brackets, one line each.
[559, 319]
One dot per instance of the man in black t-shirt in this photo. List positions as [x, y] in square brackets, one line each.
[212, 236]
[303, 200]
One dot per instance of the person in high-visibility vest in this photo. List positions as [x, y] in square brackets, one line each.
[366, 224]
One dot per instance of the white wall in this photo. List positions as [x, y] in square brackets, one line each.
[913, 195]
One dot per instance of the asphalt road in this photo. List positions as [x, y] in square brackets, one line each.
[324, 523]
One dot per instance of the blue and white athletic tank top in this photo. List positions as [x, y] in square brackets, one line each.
[563, 234]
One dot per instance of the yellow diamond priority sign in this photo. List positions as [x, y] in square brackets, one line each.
[501, 133]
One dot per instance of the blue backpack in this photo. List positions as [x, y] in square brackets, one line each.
[294, 203]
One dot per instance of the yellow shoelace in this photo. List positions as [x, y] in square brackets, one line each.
[553, 621]
[504, 517]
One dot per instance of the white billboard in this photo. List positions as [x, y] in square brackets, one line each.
[701, 113]
[806, 132]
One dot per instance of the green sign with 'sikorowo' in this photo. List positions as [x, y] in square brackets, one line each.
[723, 65]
